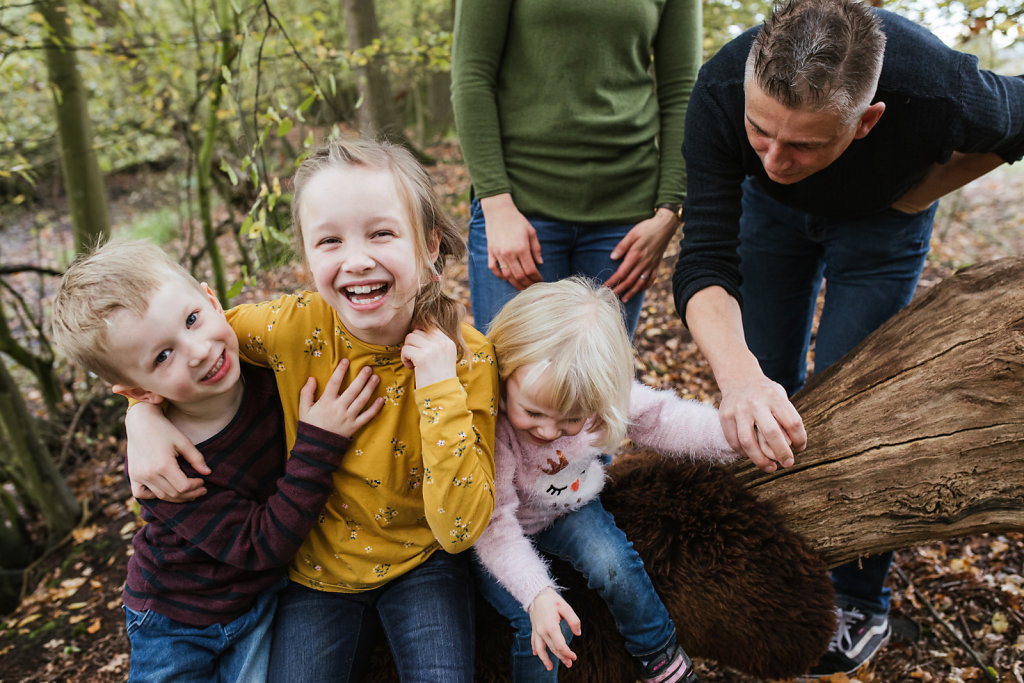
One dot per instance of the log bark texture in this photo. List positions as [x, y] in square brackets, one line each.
[918, 433]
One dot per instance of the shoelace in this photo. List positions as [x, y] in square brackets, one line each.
[841, 639]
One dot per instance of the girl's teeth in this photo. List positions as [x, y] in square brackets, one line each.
[362, 289]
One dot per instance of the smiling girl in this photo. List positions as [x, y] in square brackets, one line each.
[417, 484]
[567, 363]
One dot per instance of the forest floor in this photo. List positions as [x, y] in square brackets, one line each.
[957, 606]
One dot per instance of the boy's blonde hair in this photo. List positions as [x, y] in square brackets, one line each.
[572, 334]
[117, 276]
[433, 307]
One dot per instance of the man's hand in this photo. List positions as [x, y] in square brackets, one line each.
[342, 413]
[153, 446]
[546, 613]
[760, 422]
[641, 251]
[431, 355]
[513, 250]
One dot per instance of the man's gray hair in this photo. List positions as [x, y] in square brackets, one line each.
[819, 54]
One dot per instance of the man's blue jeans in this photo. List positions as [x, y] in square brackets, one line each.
[426, 615]
[164, 649]
[871, 266]
[591, 542]
[567, 249]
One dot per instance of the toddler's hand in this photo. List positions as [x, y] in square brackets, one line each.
[546, 613]
[342, 413]
[431, 354]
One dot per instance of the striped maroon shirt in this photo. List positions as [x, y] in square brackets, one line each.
[207, 561]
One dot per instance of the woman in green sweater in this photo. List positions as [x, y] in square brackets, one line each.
[570, 116]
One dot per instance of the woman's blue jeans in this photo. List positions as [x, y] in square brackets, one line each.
[871, 266]
[591, 542]
[567, 249]
[426, 615]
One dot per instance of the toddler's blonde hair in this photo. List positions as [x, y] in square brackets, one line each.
[572, 336]
[118, 276]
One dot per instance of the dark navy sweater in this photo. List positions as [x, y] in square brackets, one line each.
[937, 101]
[207, 561]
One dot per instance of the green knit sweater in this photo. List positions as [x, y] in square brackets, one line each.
[556, 102]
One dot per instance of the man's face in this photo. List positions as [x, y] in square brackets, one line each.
[796, 143]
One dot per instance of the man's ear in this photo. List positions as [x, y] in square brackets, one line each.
[137, 394]
[869, 119]
[213, 297]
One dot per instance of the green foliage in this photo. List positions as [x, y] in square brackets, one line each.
[159, 225]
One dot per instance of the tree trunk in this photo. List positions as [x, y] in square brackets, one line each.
[918, 433]
[26, 462]
[376, 111]
[377, 115]
[83, 181]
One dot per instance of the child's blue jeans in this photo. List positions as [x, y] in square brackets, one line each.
[591, 542]
[426, 615]
[164, 649]
[871, 266]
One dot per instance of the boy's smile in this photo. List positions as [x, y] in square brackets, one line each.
[181, 350]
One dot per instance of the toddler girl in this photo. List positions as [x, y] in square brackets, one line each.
[567, 365]
[416, 485]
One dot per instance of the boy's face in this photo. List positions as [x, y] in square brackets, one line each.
[182, 349]
[362, 251]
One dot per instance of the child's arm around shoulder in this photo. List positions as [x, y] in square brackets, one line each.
[671, 425]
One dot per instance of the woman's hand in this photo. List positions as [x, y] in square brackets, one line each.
[641, 251]
[546, 613]
[513, 250]
[153, 446]
[431, 355]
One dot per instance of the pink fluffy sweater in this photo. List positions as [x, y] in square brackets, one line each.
[534, 485]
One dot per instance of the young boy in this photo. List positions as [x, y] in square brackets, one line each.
[203, 580]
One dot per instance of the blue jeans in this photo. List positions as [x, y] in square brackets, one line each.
[164, 649]
[871, 266]
[567, 248]
[591, 542]
[426, 616]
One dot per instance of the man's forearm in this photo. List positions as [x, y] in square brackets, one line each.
[716, 323]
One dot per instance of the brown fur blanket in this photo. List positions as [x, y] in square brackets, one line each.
[743, 590]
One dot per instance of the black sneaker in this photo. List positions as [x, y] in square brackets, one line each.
[669, 666]
[856, 640]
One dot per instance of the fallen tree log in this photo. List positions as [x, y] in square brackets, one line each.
[918, 433]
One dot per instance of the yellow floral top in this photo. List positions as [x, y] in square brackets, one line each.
[417, 478]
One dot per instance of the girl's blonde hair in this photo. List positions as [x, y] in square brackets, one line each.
[433, 307]
[572, 335]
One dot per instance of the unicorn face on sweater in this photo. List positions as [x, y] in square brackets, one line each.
[532, 417]
[565, 485]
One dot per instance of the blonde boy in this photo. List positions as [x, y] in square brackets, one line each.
[202, 584]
